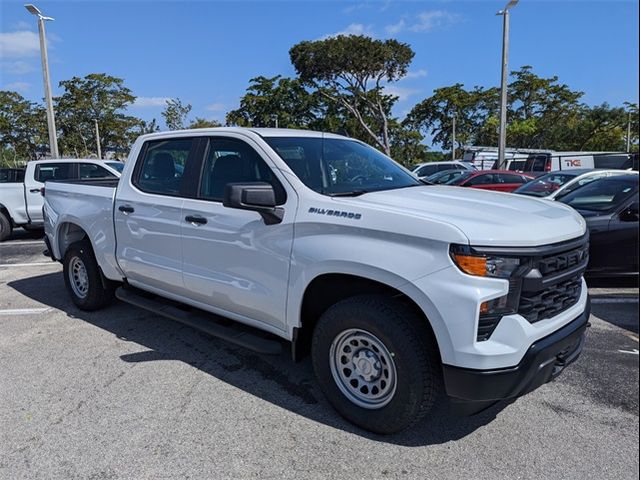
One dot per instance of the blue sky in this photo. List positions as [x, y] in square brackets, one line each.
[205, 52]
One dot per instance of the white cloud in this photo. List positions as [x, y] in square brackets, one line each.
[22, 25]
[352, 29]
[215, 107]
[354, 7]
[17, 67]
[402, 93]
[18, 86]
[19, 44]
[416, 74]
[424, 22]
[396, 27]
[427, 21]
[144, 102]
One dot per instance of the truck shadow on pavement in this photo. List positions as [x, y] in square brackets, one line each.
[275, 379]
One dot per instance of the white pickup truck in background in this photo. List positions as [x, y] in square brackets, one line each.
[21, 202]
[397, 289]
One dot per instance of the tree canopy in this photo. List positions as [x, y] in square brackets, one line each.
[352, 70]
[96, 97]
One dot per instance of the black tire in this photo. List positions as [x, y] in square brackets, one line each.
[411, 346]
[96, 292]
[5, 227]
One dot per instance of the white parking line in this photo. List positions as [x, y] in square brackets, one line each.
[24, 311]
[602, 301]
[34, 264]
[18, 242]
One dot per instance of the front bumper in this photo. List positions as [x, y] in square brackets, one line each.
[543, 361]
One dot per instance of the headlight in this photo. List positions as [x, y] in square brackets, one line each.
[483, 264]
[480, 265]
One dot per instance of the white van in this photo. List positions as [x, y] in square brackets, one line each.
[541, 163]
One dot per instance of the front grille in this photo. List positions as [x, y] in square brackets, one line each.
[536, 306]
[549, 282]
[563, 261]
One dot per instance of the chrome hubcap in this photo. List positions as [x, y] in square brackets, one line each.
[78, 277]
[363, 368]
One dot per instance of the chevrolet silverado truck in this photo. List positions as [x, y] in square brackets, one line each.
[20, 195]
[274, 237]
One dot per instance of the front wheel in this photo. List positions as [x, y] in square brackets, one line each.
[377, 363]
[82, 277]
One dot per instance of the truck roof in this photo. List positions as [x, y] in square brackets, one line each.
[263, 132]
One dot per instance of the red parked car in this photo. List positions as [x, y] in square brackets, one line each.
[497, 180]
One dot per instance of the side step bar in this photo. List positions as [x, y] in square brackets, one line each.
[205, 322]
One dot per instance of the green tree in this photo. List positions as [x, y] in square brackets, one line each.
[542, 113]
[204, 123]
[23, 127]
[471, 108]
[95, 97]
[351, 71]
[276, 99]
[175, 113]
[148, 127]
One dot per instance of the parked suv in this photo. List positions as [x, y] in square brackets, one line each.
[424, 170]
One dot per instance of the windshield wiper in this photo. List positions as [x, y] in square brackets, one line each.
[353, 193]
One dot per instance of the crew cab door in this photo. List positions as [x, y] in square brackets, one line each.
[233, 262]
[33, 184]
[148, 215]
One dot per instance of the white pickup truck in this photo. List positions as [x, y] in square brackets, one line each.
[397, 289]
[21, 202]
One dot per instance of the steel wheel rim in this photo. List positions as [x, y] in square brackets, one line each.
[363, 368]
[78, 277]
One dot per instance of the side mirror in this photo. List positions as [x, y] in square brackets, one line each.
[256, 196]
[630, 214]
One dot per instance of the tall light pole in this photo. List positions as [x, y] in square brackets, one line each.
[453, 136]
[502, 141]
[51, 121]
[98, 140]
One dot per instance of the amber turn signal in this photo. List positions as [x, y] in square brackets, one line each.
[472, 265]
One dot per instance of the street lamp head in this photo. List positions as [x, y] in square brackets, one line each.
[36, 11]
[509, 6]
[33, 9]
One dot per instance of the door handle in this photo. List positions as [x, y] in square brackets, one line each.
[126, 209]
[35, 190]
[195, 219]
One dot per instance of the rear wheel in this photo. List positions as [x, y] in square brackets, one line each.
[377, 363]
[5, 227]
[82, 277]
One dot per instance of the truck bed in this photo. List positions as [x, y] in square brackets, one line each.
[96, 182]
[87, 203]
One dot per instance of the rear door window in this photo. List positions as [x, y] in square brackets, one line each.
[511, 178]
[485, 179]
[55, 171]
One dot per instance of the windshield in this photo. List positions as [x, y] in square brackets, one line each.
[119, 166]
[334, 167]
[460, 178]
[444, 177]
[602, 195]
[545, 185]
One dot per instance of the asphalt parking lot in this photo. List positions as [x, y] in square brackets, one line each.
[121, 393]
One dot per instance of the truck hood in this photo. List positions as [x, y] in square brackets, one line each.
[486, 218]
